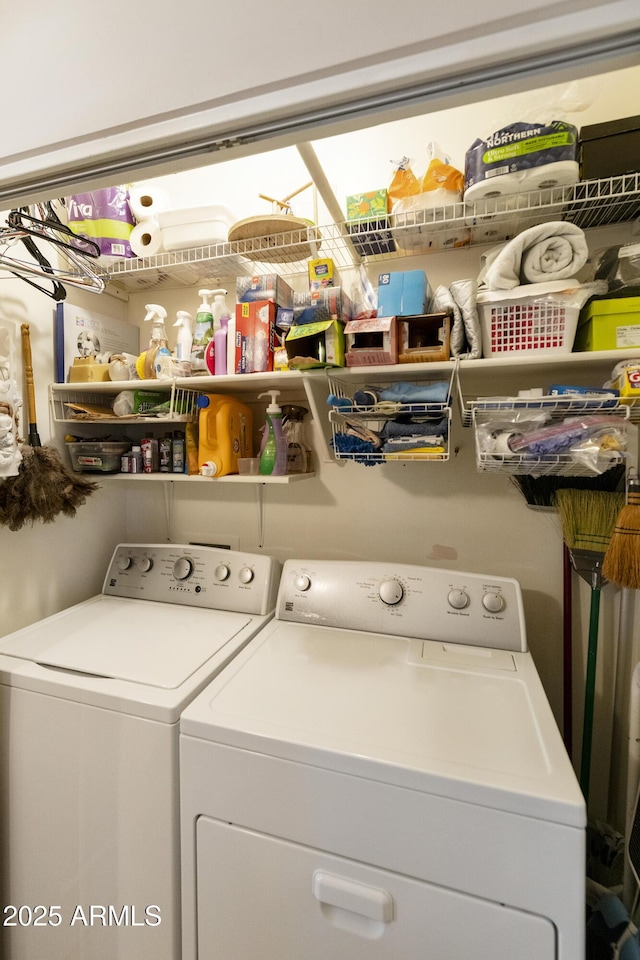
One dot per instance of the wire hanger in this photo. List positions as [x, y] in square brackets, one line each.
[78, 251]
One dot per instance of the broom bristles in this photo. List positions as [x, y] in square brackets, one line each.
[588, 517]
[622, 559]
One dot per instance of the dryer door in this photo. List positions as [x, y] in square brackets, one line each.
[262, 897]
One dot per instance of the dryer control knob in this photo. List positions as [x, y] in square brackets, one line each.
[145, 564]
[183, 568]
[302, 582]
[246, 575]
[221, 572]
[493, 602]
[124, 563]
[390, 592]
[458, 599]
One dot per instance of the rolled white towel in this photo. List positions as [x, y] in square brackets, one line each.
[548, 251]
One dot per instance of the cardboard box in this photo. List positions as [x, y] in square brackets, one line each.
[610, 149]
[370, 342]
[329, 303]
[403, 293]
[367, 206]
[368, 224]
[315, 345]
[255, 336]
[609, 325]
[270, 286]
[372, 237]
[84, 334]
[424, 338]
[88, 370]
[322, 273]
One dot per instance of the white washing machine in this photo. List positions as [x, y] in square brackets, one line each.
[378, 775]
[90, 700]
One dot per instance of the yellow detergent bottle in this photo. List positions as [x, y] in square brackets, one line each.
[225, 433]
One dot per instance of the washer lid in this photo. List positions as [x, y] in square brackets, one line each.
[431, 719]
[141, 641]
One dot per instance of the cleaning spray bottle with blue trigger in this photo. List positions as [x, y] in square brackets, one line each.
[273, 452]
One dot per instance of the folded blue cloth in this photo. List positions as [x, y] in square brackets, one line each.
[437, 392]
[415, 428]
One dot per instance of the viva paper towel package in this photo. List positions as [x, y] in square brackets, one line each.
[521, 157]
[225, 433]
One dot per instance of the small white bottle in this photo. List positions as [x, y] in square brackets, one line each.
[185, 335]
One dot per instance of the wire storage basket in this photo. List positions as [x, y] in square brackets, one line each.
[174, 404]
[384, 422]
[550, 437]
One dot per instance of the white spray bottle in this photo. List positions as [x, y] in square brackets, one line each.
[185, 335]
[202, 334]
[157, 359]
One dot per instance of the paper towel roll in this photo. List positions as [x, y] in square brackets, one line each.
[560, 174]
[147, 203]
[146, 239]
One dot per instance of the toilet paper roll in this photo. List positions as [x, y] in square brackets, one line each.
[147, 203]
[494, 232]
[560, 174]
[146, 239]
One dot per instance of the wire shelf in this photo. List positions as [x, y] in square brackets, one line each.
[83, 406]
[590, 203]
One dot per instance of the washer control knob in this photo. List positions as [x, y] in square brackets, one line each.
[124, 562]
[302, 582]
[145, 564]
[246, 575]
[183, 568]
[458, 599]
[493, 602]
[390, 592]
[221, 572]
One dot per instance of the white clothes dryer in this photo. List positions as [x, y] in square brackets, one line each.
[378, 775]
[90, 700]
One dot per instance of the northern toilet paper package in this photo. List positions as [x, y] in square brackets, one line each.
[522, 157]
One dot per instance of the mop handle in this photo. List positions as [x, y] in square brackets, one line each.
[589, 694]
[34, 439]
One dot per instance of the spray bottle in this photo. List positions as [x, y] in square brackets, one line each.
[221, 317]
[273, 454]
[157, 359]
[185, 335]
[299, 458]
[203, 334]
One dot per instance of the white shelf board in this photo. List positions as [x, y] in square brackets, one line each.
[184, 477]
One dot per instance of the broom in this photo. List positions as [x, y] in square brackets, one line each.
[539, 492]
[622, 558]
[588, 519]
[44, 486]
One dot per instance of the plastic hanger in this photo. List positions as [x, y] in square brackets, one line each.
[49, 227]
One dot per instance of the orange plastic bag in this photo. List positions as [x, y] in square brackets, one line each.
[442, 176]
[404, 183]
